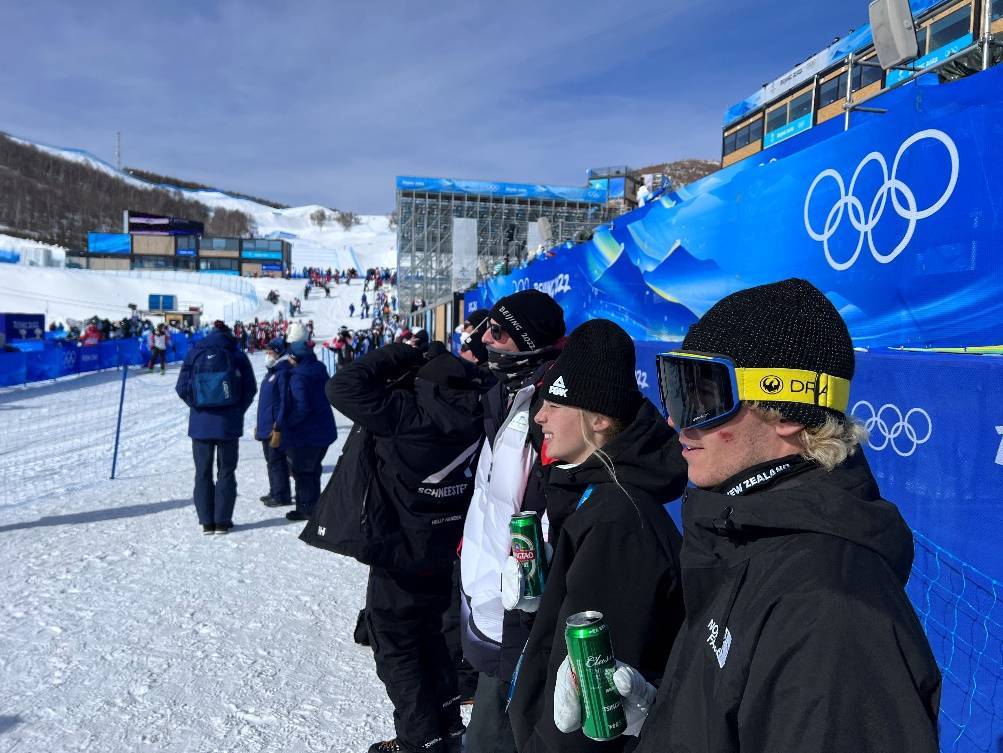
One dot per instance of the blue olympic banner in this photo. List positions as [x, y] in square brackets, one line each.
[22, 326]
[59, 358]
[509, 190]
[896, 220]
[936, 448]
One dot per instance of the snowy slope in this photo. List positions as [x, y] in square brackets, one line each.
[63, 294]
[370, 244]
[32, 251]
[328, 314]
[79, 294]
[123, 628]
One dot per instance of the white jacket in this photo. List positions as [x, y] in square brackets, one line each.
[502, 472]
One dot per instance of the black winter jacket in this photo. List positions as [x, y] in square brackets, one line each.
[399, 494]
[614, 554]
[798, 634]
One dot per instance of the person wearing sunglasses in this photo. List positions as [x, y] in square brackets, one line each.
[523, 336]
[798, 632]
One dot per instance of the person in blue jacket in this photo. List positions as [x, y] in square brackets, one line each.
[277, 363]
[306, 424]
[215, 429]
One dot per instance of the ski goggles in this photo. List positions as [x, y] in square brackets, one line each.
[701, 390]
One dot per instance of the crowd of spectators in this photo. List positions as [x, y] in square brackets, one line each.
[91, 331]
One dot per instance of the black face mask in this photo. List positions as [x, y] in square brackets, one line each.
[512, 368]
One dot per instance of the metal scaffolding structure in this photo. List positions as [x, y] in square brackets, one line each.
[505, 213]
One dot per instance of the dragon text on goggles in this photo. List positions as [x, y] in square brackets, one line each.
[703, 389]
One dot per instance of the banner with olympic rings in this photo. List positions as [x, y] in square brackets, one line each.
[897, 220]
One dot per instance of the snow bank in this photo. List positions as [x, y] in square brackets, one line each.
[123, 628]
[63, 294]
[33, 253]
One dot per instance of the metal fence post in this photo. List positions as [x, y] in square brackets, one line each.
[118, 426]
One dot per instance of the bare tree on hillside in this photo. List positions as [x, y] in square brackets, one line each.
[318, 217]
[231, 223]
[347, 219]
[59, 201]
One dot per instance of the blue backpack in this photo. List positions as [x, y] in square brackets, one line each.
[215, 378]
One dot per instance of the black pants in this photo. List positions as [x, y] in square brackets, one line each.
[214, 499]
[489, 730]
[158, 355]
[306, 466]
[404, 613]
[278, 472]
[466, 675]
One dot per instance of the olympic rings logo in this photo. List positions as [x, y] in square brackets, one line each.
[853, 208]
[890, 425]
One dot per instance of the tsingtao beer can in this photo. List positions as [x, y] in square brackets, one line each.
[528, 549]
[590, 652]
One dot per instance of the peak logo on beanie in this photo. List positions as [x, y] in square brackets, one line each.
[595, 372]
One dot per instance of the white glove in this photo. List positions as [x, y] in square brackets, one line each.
[567, 705]
[513, 585]
[638, 697]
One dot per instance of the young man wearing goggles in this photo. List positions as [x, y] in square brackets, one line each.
[798, 632]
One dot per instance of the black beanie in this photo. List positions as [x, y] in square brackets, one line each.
[445, 370]
[595, 372]
[531, 318]
[476, 317]
[786, 325]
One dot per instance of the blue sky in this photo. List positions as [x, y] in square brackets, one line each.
[325, 102]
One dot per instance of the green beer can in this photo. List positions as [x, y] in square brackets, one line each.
[590, 652]
[528, 549]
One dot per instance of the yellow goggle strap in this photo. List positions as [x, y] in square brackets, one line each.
[793, 386]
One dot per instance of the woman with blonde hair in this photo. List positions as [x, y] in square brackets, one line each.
[615, 548]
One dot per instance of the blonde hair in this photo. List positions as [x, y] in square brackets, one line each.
[615, 424]
[829, 444]
[615, 427]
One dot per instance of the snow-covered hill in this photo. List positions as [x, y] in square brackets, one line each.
[372, 243]
[63, 294]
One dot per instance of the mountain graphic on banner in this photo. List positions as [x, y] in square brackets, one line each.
[694, 283]
[623, 296]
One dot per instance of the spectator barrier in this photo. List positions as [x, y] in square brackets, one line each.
[39, 360]
[232, 312]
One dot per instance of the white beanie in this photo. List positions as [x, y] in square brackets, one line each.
[296, 333]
